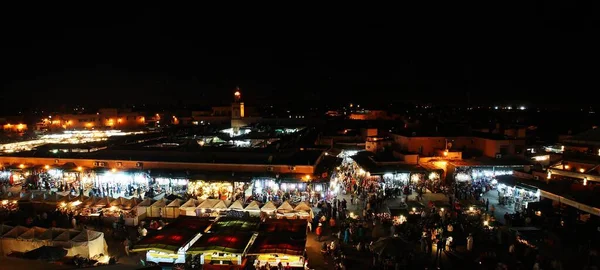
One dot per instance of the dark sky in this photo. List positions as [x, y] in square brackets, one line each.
[112, 55]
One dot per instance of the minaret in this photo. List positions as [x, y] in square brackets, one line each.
[237, 111]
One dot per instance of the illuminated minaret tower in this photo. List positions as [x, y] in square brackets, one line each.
[237, 111]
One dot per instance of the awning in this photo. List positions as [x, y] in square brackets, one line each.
[235, 243]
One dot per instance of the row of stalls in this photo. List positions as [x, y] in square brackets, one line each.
[84, 243]
[214, 207]
[102, 181]
[227, 242]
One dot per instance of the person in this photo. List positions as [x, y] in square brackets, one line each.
[440, 247]
[470, 242]
[318, 231]
[287, 266]
[126, 245]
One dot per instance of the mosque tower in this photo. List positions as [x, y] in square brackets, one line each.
[237, 111]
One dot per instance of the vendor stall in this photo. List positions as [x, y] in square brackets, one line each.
[304, 211]
[221, 190]
[189, 207]
[170, 244]
[519, 195]
[205, 208]
[84, 243]
[280, 247]
[234, 224]
[157, 210]
[222, 249]
[144, 207]
[268, 210]
[285, 207]
[237, 206]
[172, 209]
[253, 208]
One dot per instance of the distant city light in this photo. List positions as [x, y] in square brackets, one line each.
[522, 108]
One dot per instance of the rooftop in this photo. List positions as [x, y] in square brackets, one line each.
[367, 161]
[486, 161]
[565, 188]
[223, 156]
[592, 135]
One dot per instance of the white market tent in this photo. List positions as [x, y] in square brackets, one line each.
[172, 209]
[237, 205]
[220, 206]
[253, 206]
[103, 202]
[157, 209]
[269, 207]
[132, 203]
[144, 207]
[85, 243]
[303, 210]
[285, 207]
[91, 201]
[189, 207]
[52, 198]
[208, 204]
[302, 206]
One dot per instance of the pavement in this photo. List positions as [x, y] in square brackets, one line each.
[363, 260]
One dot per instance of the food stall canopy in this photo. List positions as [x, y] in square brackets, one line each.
[280, 243]
[34, 233]
[189, 207]
[157, 208]
[68, 167]
[285, 207]
[253, 206]
[208, 204]
[173, 236]
[220, 205]
[146, 202]
[175, 203]
[235, 243]
[4, 229]
[91, 201]
[130, 203]
[85, 243]
[103, 202]
[160, 203]
[237, 205]
[268, 207]
[285, 226]
[118, 202]
[25, 197]
[234, 224]
[191, 203]
[37, 197]
[52, 198]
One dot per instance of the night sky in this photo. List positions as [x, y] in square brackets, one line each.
[110, 56]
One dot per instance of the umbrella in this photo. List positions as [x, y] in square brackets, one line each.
[391, 246]
[46, 253]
